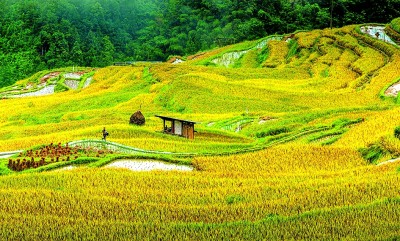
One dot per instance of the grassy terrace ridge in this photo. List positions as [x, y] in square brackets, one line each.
[116, 147]
[393, 30]
[395, 24]
[289, 139]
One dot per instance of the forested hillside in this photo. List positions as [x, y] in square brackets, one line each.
[45, 34]
[37, 35]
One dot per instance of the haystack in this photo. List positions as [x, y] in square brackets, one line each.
[137, 118]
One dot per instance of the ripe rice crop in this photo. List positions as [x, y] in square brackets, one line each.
[287, 183]
[277, 53]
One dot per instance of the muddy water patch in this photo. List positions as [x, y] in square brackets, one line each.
[47, 90]
[87, 82]
[49, 76]
[73, 76]
[72, 84]
[229, 59]
[148, 165]
[393, 90]
[377, 32]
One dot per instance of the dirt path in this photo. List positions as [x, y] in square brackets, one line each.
[8, 154]
[389, 161]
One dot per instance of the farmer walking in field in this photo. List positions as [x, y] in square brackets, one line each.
[105, 134]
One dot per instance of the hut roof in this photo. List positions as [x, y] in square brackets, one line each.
[172, 118]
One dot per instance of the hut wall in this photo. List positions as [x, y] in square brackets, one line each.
[188, 131]
[178, 128]
[191, 132]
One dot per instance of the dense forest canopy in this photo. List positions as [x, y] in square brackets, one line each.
[44, 34]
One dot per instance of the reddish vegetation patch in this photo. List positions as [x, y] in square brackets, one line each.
[291, 36]
[29, 85]
[51, 154]
[49, 76]
[267, 118]
[192, 57]
[173, 59]
[80, 73]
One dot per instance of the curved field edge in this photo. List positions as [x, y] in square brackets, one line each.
[123, 151]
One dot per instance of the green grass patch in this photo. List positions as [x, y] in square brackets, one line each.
[331, 140]
[373, 153]
[293, 50]
[233, 199]
[395, 24]
[397, 132]
[273, 131]
[263, 55]
[337, 129]
[60, 87]
[84, 79]
[233, 124]
[384, 147]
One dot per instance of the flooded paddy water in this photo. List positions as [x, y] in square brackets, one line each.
[148, 165]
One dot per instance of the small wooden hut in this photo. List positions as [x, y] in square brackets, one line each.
[173, 126]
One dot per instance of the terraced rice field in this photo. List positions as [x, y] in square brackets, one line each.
[289, 143]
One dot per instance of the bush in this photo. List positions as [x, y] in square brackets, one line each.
[381, 148]
[392, 33]
[60, 87]
[373, 153]
[397, 132]
[293, 50]
[343, 122]
[232, 199]
[272, 132]
[395, 24]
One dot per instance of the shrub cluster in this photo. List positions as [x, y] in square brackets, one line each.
[397, 132]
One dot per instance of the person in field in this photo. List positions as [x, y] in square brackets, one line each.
[105, 134]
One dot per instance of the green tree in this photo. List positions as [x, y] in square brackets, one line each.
[107, 53]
